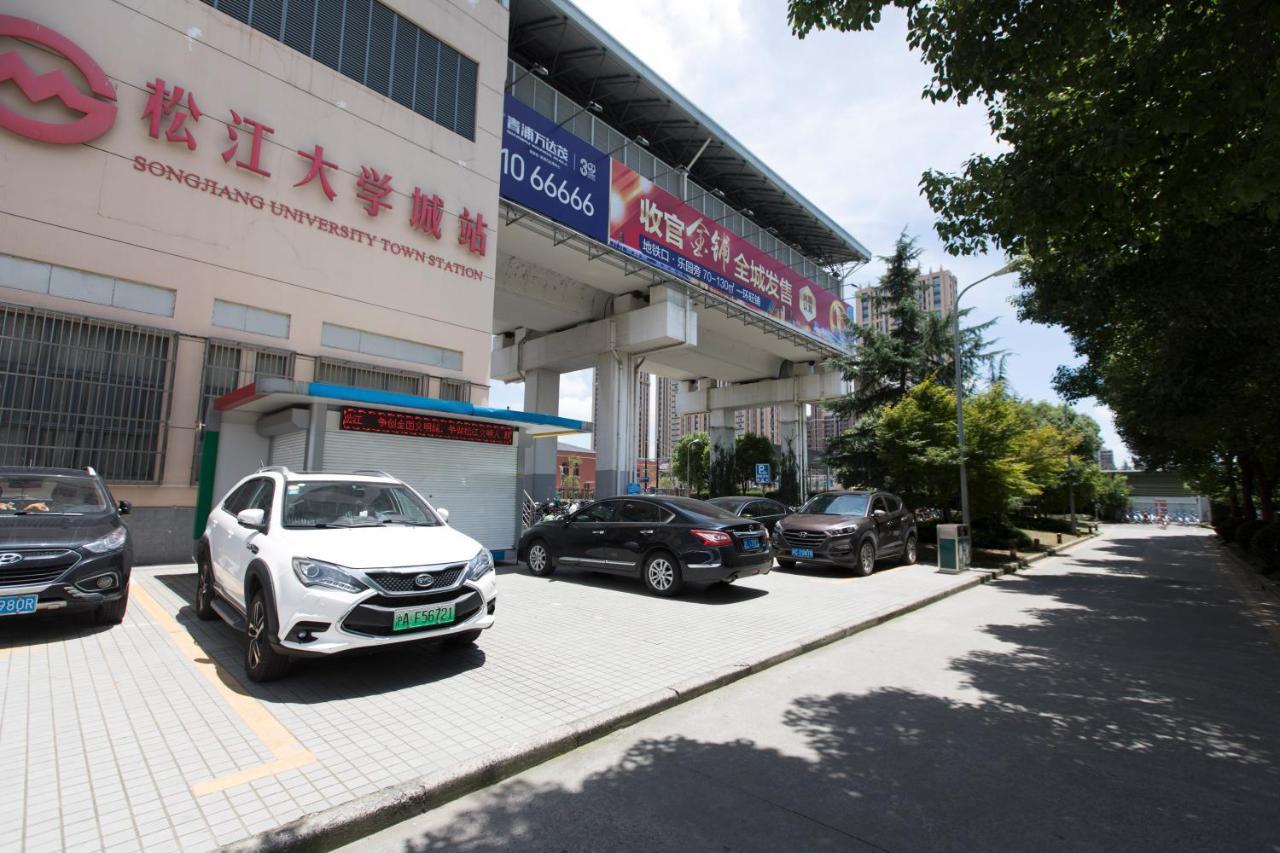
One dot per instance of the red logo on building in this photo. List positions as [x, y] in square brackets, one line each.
[97, 113]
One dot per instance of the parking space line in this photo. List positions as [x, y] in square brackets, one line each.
[286, 751]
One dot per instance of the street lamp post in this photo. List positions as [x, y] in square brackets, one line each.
[955, 332]
[688, 470]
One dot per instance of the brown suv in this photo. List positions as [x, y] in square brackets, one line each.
[847, 529]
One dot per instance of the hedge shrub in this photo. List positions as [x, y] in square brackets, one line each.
[1245, 530]
[1265, 545]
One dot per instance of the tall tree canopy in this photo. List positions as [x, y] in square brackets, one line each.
[1139, 186]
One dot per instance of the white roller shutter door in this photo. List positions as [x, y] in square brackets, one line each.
[289, 450]
[475, 482]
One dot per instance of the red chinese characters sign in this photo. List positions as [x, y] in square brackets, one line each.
[172, 115]
[654, 226]
[359, 419]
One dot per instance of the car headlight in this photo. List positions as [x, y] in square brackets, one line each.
[481, 564]
[845, 531]
[327, 575]
[777, 530]
[111, 542]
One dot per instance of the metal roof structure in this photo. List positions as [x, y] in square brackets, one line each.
[587, 64]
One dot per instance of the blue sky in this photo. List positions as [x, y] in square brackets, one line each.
[841, 118]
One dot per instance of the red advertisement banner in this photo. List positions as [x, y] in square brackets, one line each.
[655, 227]
[359, 419]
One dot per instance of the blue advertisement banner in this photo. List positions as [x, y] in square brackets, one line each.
[549, 170]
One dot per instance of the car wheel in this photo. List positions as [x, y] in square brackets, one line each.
[204, 589]
[909, 552]
[261, 661]
[866, 558]
[786, 564]
[466, 638]
[112, 613]
[662, 575]
[539, 559]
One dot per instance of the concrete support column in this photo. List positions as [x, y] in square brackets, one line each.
[314, 454]
[615, 425]
[721, 427]
[792, 454]
[538, 456]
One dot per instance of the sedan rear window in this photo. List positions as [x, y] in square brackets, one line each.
[837, 505]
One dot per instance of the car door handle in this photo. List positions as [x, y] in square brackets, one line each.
[598, 532]
[646, 532]
[253, 549]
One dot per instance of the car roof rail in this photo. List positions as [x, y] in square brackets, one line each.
[374, 471]
[88, 469]
[282, 469]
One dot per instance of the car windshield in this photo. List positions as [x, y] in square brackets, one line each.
[50, 494]
[346, 503]
[837, 505]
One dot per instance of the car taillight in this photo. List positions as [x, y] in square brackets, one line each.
[712, 537]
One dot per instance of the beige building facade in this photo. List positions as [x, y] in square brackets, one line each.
[245, 211]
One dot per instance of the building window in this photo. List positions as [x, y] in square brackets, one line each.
[36, 277]
[375, 46]
[370, 376]
[454, 389]
[228, 366]
[76, 391]
[370, 343]
[246, 318]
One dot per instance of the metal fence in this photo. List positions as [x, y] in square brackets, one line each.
[371, 376]
[77, 391]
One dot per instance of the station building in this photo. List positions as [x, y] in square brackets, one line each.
[269, 212]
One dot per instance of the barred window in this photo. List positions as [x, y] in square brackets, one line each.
[454, 389]
[369, 376]
[229, 365]
[376, 47]
[76, 391]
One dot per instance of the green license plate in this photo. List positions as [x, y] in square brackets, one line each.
[422, 617]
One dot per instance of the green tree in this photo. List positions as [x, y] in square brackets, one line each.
[854, 455]
[1111, 495]
[1010, 455]
[751, 449]
[1139, 185]
[691, 460]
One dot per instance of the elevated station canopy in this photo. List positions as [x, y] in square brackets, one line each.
[588, 65]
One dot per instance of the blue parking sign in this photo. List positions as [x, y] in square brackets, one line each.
[633, 488]
[764, 473]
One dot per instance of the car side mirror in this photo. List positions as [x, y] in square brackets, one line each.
[124, 507]
[443, 513]
[879, 513]
[254, 519]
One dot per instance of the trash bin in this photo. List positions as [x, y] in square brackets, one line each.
[953, 548]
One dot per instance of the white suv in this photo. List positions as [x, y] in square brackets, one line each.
[313, 564]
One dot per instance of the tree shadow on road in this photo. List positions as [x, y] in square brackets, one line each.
[1122, 714]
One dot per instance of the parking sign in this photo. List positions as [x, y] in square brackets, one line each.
[764, 474]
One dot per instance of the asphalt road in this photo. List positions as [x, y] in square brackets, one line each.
[1122, 697]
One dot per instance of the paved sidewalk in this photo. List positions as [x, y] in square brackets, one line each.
[144, 736]
[1120, 697]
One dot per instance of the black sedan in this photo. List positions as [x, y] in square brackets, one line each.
[665, 541]
[764, 510]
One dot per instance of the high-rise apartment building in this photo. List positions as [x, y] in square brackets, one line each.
[643, 402]
[667, 423]
[1107, 459]
[937, 293]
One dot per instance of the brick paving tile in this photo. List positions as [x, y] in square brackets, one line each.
[109, 765]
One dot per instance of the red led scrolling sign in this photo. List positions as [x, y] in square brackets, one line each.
[359, 419]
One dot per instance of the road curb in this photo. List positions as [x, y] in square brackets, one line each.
[365, 815]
